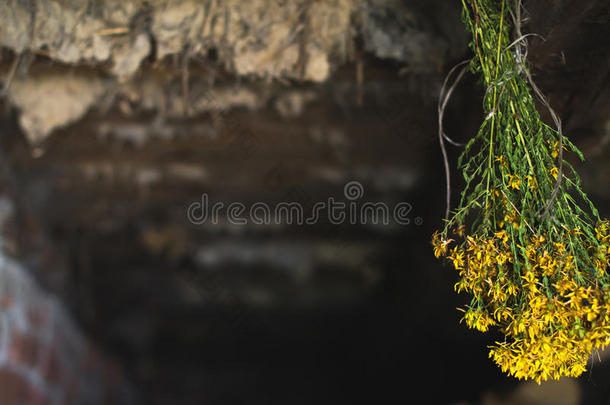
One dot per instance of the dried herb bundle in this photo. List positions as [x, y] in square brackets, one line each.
[533, 259]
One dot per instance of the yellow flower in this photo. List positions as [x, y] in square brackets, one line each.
[457, 257]
[565, 286]
[440, 245]
[512, 289]
[531, 182]
[501, 314]
[502, 161]
[461, 285]
[538, 240]
[554, 172]
[547, 264]
[513, 218]
[514, 182]
[478, 320]
[503, 236]
[460, 231]
[502, 258]
[555, 150]
[560, 246]
[555, 313]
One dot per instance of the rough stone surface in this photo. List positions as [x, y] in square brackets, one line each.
[392, 31]
[67, 30]
[48, 102]
[265, 39]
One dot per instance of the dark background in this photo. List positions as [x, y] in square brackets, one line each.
[292, 315]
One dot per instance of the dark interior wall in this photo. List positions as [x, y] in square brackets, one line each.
[270, 314]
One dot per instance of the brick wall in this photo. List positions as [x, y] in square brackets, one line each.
[44, 359]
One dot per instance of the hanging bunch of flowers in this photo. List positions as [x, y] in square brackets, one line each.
[534, 261]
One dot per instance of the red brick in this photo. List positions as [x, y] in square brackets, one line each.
[50, 365]
[15, 390]
[71, 391]
[6, 302]
[39, 318]
[23, 349]
[113, 375]
[91, 359]
[37, 398]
